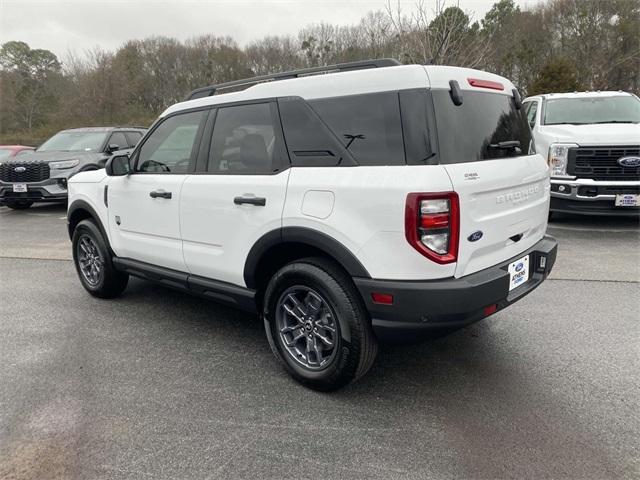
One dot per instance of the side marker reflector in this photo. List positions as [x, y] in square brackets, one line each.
[382, 298]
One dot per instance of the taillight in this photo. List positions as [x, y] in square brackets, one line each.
[432, 223]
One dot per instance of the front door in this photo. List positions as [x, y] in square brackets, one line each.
[144, 206]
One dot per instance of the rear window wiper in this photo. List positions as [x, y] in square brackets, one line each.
[507, 145]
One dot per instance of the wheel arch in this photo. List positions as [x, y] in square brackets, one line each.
[81, 210]
[278, 247]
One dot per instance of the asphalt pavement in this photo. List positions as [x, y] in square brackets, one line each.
[159, 384]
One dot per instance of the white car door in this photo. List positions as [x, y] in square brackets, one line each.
[144, 206]
[238, 195]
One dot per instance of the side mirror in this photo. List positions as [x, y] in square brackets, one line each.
[112, 147]
[118, 166]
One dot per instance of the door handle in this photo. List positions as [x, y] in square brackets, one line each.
[257, 201]
[160, 194]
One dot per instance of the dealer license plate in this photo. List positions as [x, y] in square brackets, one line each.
[19, 187]
[518, 272]
[628, 200]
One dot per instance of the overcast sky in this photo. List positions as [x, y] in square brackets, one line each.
[79, 25]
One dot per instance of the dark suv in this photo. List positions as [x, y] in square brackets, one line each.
[42, 176]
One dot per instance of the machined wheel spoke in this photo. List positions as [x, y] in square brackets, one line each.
[294, 340]
[317, 350]
[309, 349]
[290, 311]
[289, 328]
[326, 327]
[327, 341]
[84, 248]
[313, 305]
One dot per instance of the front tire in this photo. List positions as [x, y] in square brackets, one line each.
[19, 204]
[317, 325]
[93, 262]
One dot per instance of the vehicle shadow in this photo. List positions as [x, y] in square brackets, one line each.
[471, 392]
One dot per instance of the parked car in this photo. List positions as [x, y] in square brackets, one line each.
[592, 142]
[43, 175]
[8, 151]
[379, 202]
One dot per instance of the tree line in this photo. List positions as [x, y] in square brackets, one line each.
[558, 45]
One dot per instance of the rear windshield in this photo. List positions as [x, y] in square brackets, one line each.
[590, 110]
[486, 126]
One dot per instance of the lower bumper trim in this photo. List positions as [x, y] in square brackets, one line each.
[421, 308]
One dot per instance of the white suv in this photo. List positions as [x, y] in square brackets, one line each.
[347, 204]
[592, 140]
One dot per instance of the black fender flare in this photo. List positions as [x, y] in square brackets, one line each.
[305, 236]
[77, 205]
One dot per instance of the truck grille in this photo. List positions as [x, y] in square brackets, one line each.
[33, 172]
[601, 163]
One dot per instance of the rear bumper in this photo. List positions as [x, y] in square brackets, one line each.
[591, 197]
[421, 308]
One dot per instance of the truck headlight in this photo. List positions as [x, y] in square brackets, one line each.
[559, 157]
[63, 165]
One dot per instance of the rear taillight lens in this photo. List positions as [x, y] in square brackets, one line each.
[432, 223]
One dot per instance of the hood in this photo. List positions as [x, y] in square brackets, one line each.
[594, 134]
[57, 156]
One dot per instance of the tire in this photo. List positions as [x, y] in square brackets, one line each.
[90, 249]
[304, 343]
[19, 204]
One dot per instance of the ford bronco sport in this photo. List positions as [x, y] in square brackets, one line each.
[346, 205]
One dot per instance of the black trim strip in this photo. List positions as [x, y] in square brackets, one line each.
[223, 292]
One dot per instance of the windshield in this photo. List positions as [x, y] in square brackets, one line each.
[486, 126]
[5, 152]
[74, 142]
[582, 111]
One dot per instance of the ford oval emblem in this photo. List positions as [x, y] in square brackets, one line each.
[519, 266]
[20, 169]
[475, 236]
[629, 161]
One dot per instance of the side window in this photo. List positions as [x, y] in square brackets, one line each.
[133, 138]
[170, 147]
[367, 125]
[309, 142]
[244, 140]
[532, 109]
[118, 138]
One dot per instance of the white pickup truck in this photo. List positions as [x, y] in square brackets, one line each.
[592, 142]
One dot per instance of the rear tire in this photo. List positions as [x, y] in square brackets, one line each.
[93, 263]
[317, 325]
[19, 204]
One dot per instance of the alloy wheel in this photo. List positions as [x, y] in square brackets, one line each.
[307, 327]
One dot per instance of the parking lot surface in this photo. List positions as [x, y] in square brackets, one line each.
[159, 384]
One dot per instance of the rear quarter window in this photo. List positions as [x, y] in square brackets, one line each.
[367, 125]
[472, 131]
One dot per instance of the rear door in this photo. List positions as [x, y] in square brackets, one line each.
[486, 147]
[144, 214]
[238, 192]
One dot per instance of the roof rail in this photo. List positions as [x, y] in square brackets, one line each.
[247, 82]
